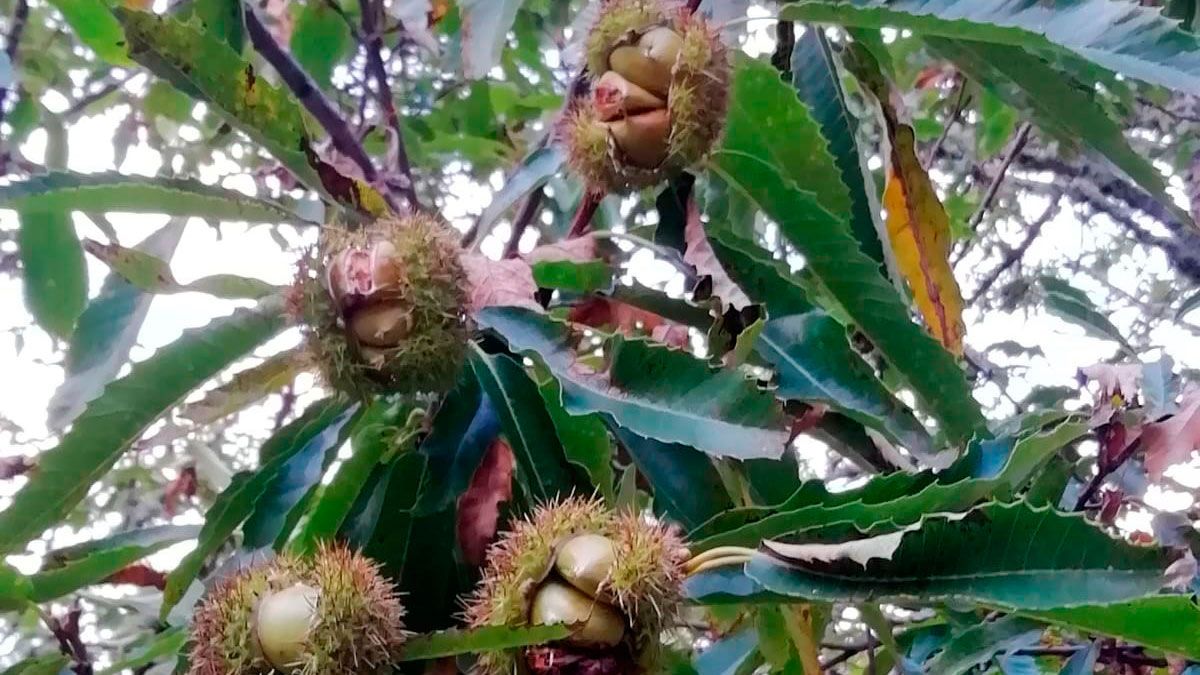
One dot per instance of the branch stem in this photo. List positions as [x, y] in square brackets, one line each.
[530, 209]
[1013, 151]
[19, 19]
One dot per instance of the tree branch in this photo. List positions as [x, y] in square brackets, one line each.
[588, 204]
[19, 19]
[1035, 228]
[1013, 151]
[298, 81]
[374, 49]
[530, 209]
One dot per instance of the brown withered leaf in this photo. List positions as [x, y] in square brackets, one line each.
[139, 575]
[575, 249]
[1173, 440]
[498, 283]
[479, 506]
[601, 312]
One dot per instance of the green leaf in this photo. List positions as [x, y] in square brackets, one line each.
[1073, 305]
[95, 26]
[815, 363]
[102, 561]
[375, 438]
[897, 498]
[237, 501]
[997, 122]
[576, 277]
[280, 506]
[817, 81]
[1168, 623]
[584, 439]
[977, 644]
[50, 664]
[127, 408]
[104, 334]
[747, 161]
[764, 279]
[106, 192]
[152, 537]
[687, 487]
[320, 40]
[245, 388]
[203, 65]
[1009, 555]
[55, 276]
[718, 412]
[455, 641]
[1059, 105]
[541, 467]
[221, 19]
[465, 425]
[15, 589]
[153, 275]
[1122, 36]
[164, 645]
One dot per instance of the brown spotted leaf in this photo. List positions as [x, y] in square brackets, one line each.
[700, 254]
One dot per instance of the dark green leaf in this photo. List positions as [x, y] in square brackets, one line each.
[1189, 304]
[816, 79]
[764, 279]
[55, 276]
[1169, 623]
[1122, 36]
[815, 363]
[1010, 555]
[584, 440]
[465, 425]
[119, 417]
[976, 645]
[576, 277]
[236, 503]
[897, 498]
[687, 487]
[50, 664]
[747, 162]
[104, 192]
[719, 412]
[105, 558]
[280, 505]
[456, 641]
[541, 466]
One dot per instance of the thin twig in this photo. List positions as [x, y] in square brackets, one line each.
[1035, 228]
[1103, 471]
[19, 19]
[531, 207]
[1162, 109]
[960, 102]
[66, 632]
[312, 98]
[80, 106]
[1013, 151]
[383, 93]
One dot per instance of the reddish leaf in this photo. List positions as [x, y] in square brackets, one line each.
[183, 487]
[1172, 440]
[808, 419]
[139, 575]
[599, 312]
[1110, 505]
[479, 506]
[498, 282]
[700, 255]
[1113, 439]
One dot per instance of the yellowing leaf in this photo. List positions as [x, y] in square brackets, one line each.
[919, 231]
